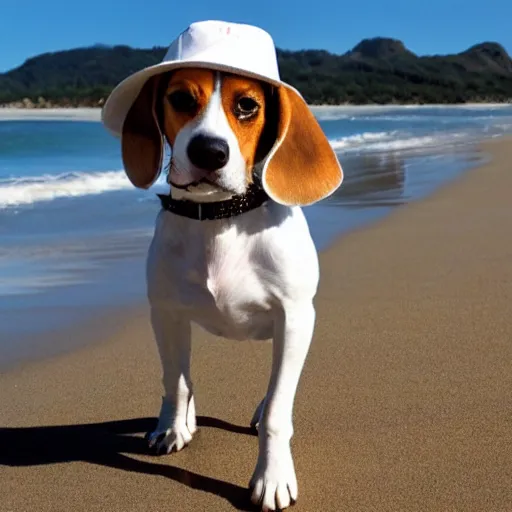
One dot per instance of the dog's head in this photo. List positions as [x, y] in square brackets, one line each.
[223, 129]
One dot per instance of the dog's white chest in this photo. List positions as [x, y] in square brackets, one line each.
[229, 297]
[230, 276]
[213, 280]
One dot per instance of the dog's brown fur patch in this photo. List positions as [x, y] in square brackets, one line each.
[248, 131]
[199, 83]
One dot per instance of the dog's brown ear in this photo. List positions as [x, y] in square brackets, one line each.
[301, 168]
[142, 141]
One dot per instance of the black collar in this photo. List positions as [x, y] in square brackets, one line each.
[253, 198]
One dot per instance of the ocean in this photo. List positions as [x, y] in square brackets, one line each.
[74, 232]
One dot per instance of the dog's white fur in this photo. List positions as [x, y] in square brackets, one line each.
[252, 276]
[249, 277]
[212, 122]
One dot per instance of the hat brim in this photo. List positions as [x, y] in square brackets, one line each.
[123, 96]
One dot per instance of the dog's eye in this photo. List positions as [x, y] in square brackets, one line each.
[183, 101]
[246, 107]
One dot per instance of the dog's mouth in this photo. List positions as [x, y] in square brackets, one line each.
[189, 187]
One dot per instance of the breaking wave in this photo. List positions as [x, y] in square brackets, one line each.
[28, 190]
[392, 141]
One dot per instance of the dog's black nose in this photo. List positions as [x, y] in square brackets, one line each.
[209, 153]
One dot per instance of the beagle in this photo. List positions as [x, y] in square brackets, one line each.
[245, 156]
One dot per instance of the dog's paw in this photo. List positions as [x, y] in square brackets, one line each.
[274, 484]
[173, 432]
[256, 417]
[172, 439]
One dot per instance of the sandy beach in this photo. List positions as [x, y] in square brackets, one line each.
[404, 404]
[50, 114]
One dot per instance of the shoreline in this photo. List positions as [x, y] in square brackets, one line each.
[85, 332]
[390, 158]
[50, 114]
[94, 113]
[403, 404]
[106, 325]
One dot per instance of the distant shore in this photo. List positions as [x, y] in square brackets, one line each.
[94, 113]
[50, 114]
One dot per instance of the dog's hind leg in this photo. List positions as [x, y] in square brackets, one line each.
[177, 421]
[274, 484]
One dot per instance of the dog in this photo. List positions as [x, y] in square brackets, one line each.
[231, 250]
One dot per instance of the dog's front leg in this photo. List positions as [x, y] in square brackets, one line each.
[274, 484]
[177, 422]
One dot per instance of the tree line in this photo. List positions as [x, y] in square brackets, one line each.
[375, 71]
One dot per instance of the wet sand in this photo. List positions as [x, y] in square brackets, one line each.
[404, 404]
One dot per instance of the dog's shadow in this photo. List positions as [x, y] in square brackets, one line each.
[107, 444]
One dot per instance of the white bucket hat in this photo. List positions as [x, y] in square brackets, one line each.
[247, 51]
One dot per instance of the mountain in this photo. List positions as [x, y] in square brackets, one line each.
[489, 56]
[378, 70]
[379, 48]
[83, 75]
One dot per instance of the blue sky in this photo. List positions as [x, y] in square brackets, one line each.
[31, 27]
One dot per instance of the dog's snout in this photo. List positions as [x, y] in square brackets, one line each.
[209, 153]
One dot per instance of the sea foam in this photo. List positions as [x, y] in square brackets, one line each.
[28, 190]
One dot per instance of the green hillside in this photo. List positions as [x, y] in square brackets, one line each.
[375, 71]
